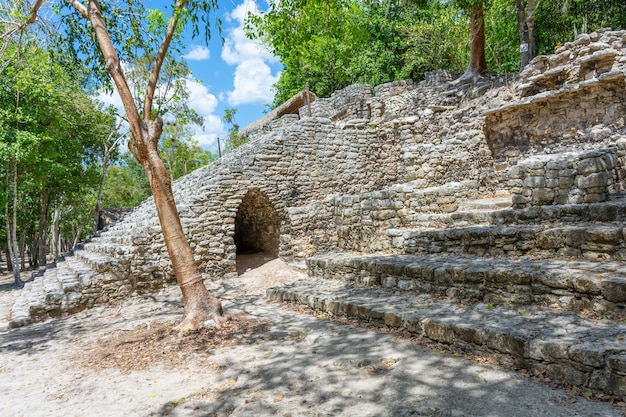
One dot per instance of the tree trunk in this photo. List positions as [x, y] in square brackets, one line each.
[105, 166]
[11, 221]
[478, 63]
[199, 304]
[43, 226]
[77, 236]
[9, 262]
[22, 248]
[530, 22]
[524, 39]
[55, 240]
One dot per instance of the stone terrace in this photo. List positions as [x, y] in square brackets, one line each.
[485, 216]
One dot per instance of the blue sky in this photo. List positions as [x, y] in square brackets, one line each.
[239, 74]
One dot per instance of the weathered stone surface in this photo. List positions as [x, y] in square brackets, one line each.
[560, 345]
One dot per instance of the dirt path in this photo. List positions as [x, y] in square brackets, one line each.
[114, 361]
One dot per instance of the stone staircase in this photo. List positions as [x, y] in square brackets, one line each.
[533, 275]
[521, 287]
[97, 271]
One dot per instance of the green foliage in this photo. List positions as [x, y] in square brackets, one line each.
[126, 184]
[559, 21]
[180, 152]
[315, 40]
[440, 41]
[233, 140]
[502, 38]
[333, 44]
[135, 30]
[49, 132]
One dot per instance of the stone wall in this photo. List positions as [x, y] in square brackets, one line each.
[297, 168]
[362, 165]
[569, 178]
[558, 96]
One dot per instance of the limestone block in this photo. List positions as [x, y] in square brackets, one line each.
[590, 165]
[543, 195]
[614, 289]
[535, 182]
[594, 198]
[599, 180]
[611, 235]
[617, 363]
[550, 239]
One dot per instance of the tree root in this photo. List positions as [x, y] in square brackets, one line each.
[199, 318]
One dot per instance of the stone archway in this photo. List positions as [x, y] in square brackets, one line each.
[257, 225]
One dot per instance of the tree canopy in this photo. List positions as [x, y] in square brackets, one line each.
[334, 44]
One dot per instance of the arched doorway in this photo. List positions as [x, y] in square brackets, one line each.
[257, 230]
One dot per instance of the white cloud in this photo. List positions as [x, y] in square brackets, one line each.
[205, 103]
[198, 53]
[253, 82]
[253, 77]
[112, 99]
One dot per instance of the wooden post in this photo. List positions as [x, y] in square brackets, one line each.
[308, 100]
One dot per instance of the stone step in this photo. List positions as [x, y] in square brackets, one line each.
[106, 246]
[121, 239]
[608, 211]
[20, 311]
[97, 261]
[84, 272]
[591, 241]
[60, 290]
[564, 284]
[491, 204]
[585, 353]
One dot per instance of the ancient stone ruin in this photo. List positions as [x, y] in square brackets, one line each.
[489, 217]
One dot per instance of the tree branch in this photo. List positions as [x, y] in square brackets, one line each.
[34, 11]
[79, 7]
[113, 65]
[160, 58]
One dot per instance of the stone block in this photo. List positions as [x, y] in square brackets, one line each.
[553, 278]
[589, 354]
[590, 166]
[543, 195]
[587, 284]
[617, 363]
[535, 182]
[614, 289]
[611, 235]
[594, 198]
[550, 239]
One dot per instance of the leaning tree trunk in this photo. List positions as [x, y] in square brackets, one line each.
[199, 304]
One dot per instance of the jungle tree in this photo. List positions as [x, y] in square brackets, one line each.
[127, 29]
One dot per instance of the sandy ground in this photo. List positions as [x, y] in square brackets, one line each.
[114, 361]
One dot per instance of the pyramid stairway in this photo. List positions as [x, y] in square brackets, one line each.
[541, 288]
[97, 271]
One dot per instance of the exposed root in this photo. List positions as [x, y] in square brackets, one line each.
[199, 318]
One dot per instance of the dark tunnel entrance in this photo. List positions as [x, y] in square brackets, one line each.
[257, 230]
